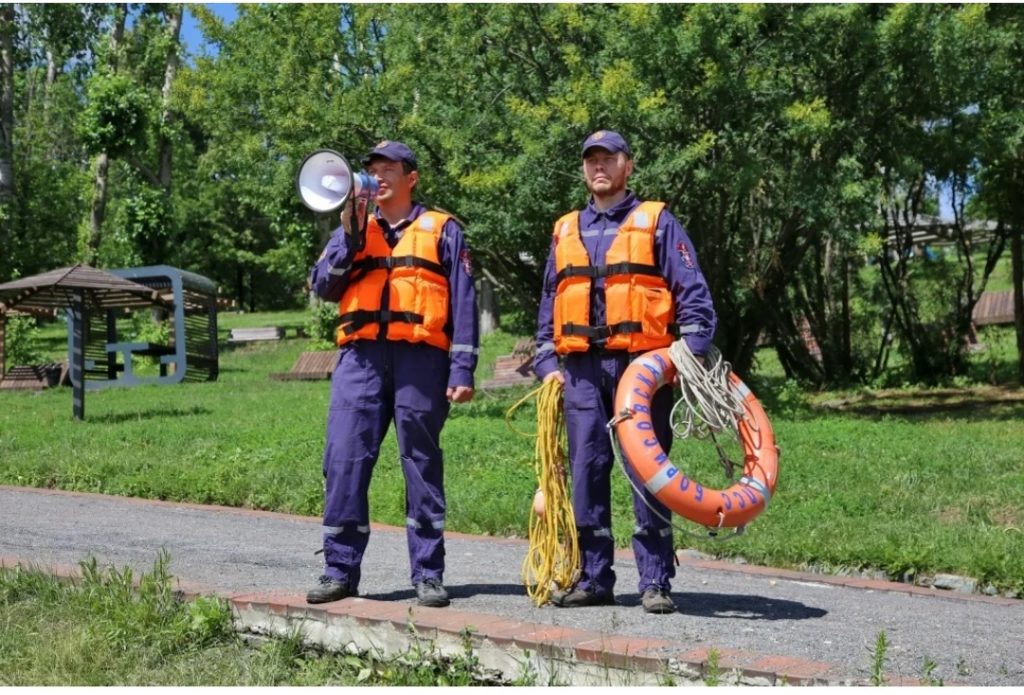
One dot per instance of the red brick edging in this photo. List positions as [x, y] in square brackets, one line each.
[598, 649]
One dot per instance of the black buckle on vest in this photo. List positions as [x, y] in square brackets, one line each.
[390, 262]
[603, 271]
[601, 332]
[354, 320]
[607, 331]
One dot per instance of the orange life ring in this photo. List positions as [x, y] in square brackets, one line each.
[733, 507]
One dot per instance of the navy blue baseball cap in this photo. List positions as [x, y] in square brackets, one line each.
[393, 150]
[607, 140]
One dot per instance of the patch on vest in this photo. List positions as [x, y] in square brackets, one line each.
[640, 219]
[564, 230]
[684, 253]
[467, 261]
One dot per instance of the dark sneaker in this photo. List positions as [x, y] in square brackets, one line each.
[577, 598]
[329, 590]
[657, 600]
[430, 592]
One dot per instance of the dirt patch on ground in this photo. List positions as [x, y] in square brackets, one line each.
[1008, 518]
[951, 515]
[871, 402]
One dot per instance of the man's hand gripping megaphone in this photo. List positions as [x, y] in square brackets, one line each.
[355, 225]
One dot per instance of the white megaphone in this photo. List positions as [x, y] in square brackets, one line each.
[326, 181]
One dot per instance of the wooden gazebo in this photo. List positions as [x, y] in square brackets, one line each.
[81, 289]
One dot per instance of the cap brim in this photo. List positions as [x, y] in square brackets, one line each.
[611, 150]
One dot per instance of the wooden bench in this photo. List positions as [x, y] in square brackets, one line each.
[515, 369]
[524, 348]
[250, 335]
[993, 309]
[35, 377]
[310, 366]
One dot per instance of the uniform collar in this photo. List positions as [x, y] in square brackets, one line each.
[618, 211]
[417, 210]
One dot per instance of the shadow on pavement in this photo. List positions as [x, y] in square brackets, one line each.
[743, 607]
[455, 591]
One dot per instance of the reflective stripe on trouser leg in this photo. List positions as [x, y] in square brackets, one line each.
[357, 420]
[652, 541]
[421, 407]
[590, 457]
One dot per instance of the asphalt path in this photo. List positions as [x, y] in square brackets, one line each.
[970, 640]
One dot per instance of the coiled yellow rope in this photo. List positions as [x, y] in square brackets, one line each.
[553, 558]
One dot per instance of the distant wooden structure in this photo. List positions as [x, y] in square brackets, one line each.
[99, 307]
[935, 231]
[310, 366]
[81, 289]
[35, 377]
[190, 352]
[515, 369]
[993, 309]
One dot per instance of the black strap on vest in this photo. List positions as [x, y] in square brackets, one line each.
[607, 331]
[603, 271]
[372, 263]
[354, 320]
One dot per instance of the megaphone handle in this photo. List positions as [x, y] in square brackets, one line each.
[359, 233]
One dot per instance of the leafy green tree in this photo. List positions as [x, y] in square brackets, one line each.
[1001, 150]
[51, 55]
[932, 59]
[7, 29]
[287, 79]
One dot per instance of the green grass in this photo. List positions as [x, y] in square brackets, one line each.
[941, 491]
[108, 629]
[1001, 279]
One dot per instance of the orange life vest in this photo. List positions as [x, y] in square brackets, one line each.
[417, 285]
[639, 307]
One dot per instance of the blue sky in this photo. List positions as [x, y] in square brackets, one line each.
[190, 34]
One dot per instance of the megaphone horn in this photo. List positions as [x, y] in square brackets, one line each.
[326, 181]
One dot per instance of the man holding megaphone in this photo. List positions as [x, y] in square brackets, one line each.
[408, 340]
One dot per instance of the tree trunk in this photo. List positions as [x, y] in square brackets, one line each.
[51, 78]
[51, 74]
[6, 103]
[98, 210]
[174, 14]
[488, 307]
[1017, 258]
[3, 343]
[99, 197]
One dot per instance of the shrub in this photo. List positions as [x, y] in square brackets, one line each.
[22, 341]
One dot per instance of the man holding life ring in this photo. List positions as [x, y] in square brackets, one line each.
[409, 340]
[621, 279]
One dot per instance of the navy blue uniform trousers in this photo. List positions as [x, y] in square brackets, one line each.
[375, 382]
[590, 381]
